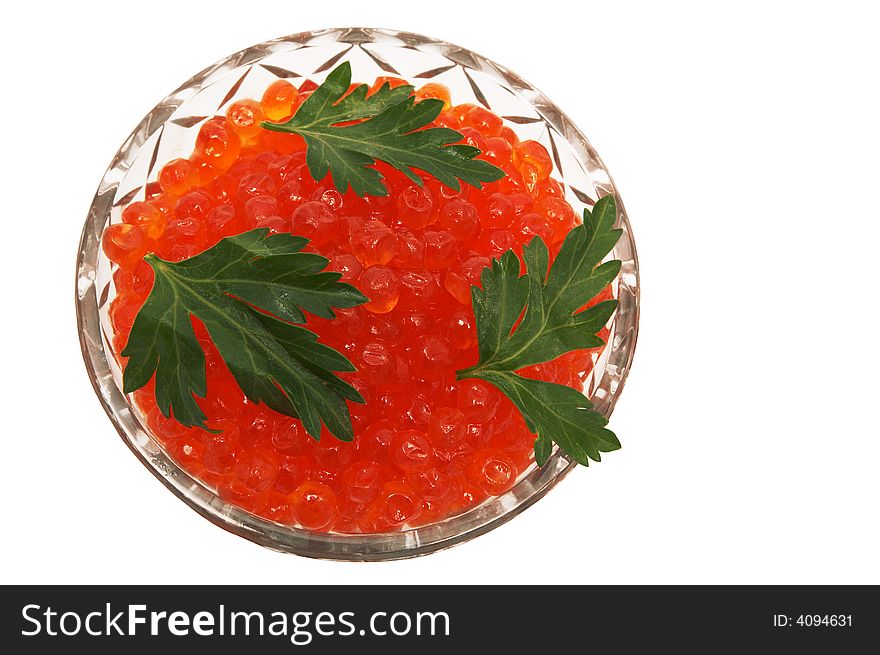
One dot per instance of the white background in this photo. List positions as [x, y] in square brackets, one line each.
[745, 144]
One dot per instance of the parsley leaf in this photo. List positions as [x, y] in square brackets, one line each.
[547, 306]
[558, 413]
[249, 291]
[390, 133]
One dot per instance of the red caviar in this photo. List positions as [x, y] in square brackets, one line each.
[426, 446]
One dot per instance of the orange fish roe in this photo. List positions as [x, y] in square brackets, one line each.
[426, 446]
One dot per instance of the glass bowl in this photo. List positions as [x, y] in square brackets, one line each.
[169, 131]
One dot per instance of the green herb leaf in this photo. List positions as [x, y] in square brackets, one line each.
[557, 413]
[391, 133]
[248, 290]
[543, 446]
[551, 323]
